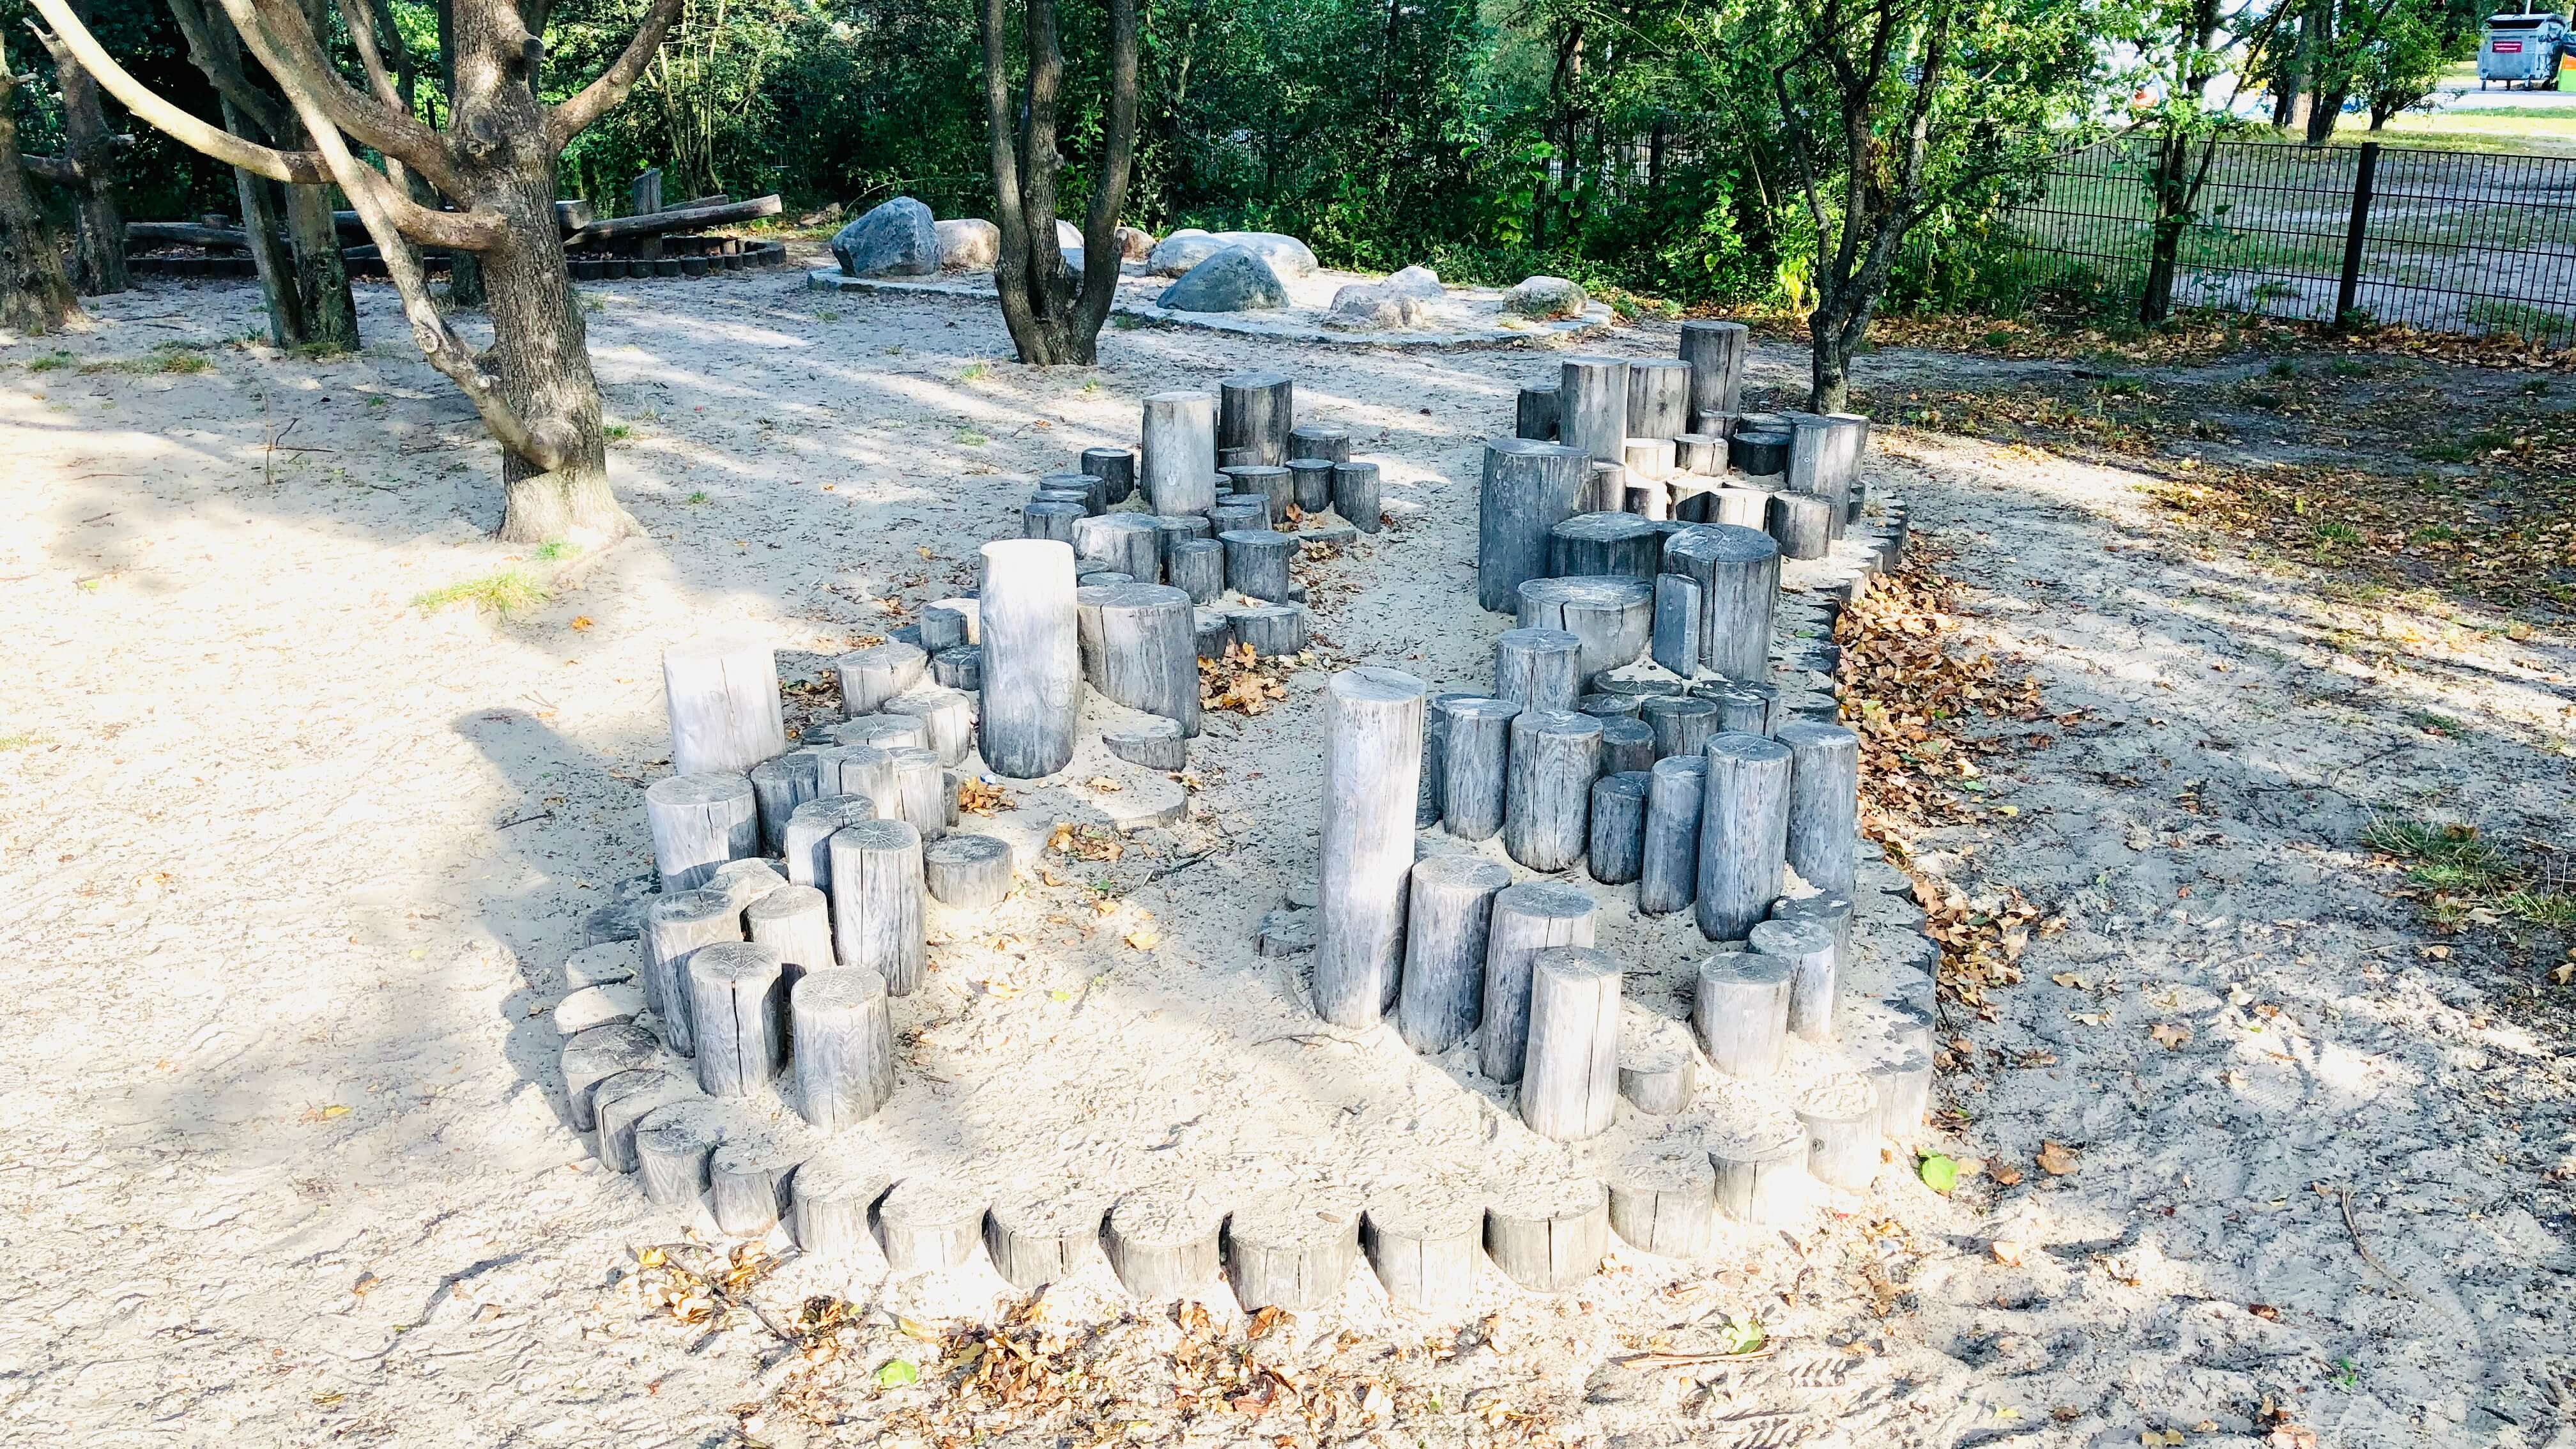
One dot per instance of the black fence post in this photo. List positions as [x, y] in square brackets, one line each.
[2348, 286]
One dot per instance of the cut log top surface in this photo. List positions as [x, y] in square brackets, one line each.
[1541, 900]
[881, 834]
[1168, 1213]
[840, 988]
[694, 908]
[1604, 527]
[1720, 543]
[1746, 748]
[1838, 1097]
[733, 961]
[842, 1175]
[1536, 1197]
[1443, 1210]
[1745, 968]
[1464, 871]
[1373, 685]
[1294, 1219]
[1661, 1169]
[1602, 589]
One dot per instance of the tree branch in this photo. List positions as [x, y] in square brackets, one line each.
[1100, 250]
[217, 55]
[601, 96]
[61, 170]
[300, 167]
[283, 41]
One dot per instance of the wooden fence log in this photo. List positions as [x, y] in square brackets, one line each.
[778, 786]
[1294, 1252]
[1658, 1070]
[1539, 669]
[1829, 909]
[1824, 803]
[1738, 574]
[676, 927]
[1683, 723]
[1256, 562]
[930, 1225]
[1570, 1070]
[1617, 835]
[1254, 411]
[796, 922]
[1555, 757]
[1534, 415]
[1148, 636]
[1526, 920]
[1475, 754]
[1372, 772]
[1840, 1116]
[1745, 708]
[1743, 834]
[1808, 947]
[1032, 700]
[736, 1011]
[836, 1193]
[1592, 406]
[1163, 1240]
[672, 1145]
[1599, 545]
[1801, 522]
[844, 1033]
[1664, 1202]
[1357, 495]
[1178, 467]
[1659, 395]
[592, 1057]
[1761, 1177]
[1197, 568]
[1715, 352]
[1328, 441]
[748, 1182]
[1904, 1093]
[699, 822]
[721, 695]
[1039, 1236]
[876, 901]
[622, 1101]
[1627, 746]
[809, 834]
[1612, 616]
[1115, 467]
[1700, 455]
[1446, 926]
[1528, 488]
[1310, 484]
[1679, 625]
[1425, 1243]
[967, 872]
[1548, 1241]
[1270, 630]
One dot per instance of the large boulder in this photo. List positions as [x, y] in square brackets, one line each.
[897, 239]
[1286, 255]
[1181, 251]
[1134, 245]
[1546, 297]
[1067, 234]
[967, 243]
[1234, 280]
[1418, 283]
[1369, 307]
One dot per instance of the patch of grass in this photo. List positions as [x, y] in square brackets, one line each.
[2434, 533]
[2539, 907]
[616, 432]
[51, 362]
[969, 438]
[22, 740]
[506, 592]
[2338, 533]
[2467, 876]
[2346, 367]
[827, 315]
[2443, 452]
[974, 371]
[318, 351]
[701, 496]
[379, 400]
[2283, 367]
[556, 550]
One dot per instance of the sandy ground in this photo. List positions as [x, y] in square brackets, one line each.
[294, 865]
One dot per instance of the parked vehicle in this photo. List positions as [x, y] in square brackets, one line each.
[2525, 48]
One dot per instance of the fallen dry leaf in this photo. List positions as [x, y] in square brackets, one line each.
[2168, 1036]
[2006, 1175]
[2056, 1159]
[581, 621]
[2006, 1252]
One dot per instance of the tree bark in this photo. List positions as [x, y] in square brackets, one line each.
[464, 269]
[35, 294]
[89, 154]
[1053, 316]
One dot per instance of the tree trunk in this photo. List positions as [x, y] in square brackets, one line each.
[541, 354]
[1829, 362]
[262, 224]
[98, 241]
[329, 314]
[1055, 317]
[464, 269]
[35, 295]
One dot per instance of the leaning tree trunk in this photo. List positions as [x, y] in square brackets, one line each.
[330, 313]
[464, 269]
[35, 295]
[89, 150]
[263, 227]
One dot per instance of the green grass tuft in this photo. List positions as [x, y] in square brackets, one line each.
[556, 550]
[701, 496]
[51, 362]
[506, 592]
[974, 371]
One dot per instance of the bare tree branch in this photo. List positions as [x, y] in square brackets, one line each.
[1100, 249]
[282, 39]
[216, 52]
[602, 95]
[301, 167]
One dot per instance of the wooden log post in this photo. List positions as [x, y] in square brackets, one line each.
[1270, 630]
[592, 1057]
[1357, 497]
[748, 1182]
[1155, 744]
[1683, 723]
[967, 872]
[1272, 483]
[1658, 1069]
[1310, 484]
[809, 834]
[960, 669]
[1903, 1084]
[1605, 706]
[876, 901]
[1808, 947]
[1127, 543]
[1824, 459]
[1740, 1009]
[1256, 563]
[1032, 699]
[1824, 803]
[1037, 1236]
[1570, 1071]
[1528, 488]
[1447, 921]
[1738, 574]
[1659, 390]
[1802, 522]
[1664, 1202]
[675, 928]
[930, 1225]
[1372, 771]
[1715, 352]
[1526, 920]
[1197, 568]
[1115, 467]
[1650, 460]
[1254, 412]
[1647, 498]
[1619, 545]
[1435, 737]
[1606, 489]
[1163, 1240]
[1614, 617]
[1238, 510]
[1148, 638]
[721, 694]
[1760, 1177]
[1744, 708]
[836, 1193]
[951, 623]
[871, 676]
[1840, 1116]
[745, 881]
[699, 822]
[947, 717]
[1680, 623]
[795, 922]
[844, 1034]
[672, 1145]
[736, 1011]
[777, 787]
[1179, 529]
[1700, 455]
[1215, 629]
[1743, 834]
[1759, 452]
[1474, 757]
[918, 784]
[1424, 1243]
[1618, 831]
[1294, 1252]
[1555, 757]
[1234, 458]
[621, 1101]
[1627, 746]
[1548, 1240]
[1538, 669]
[1328, 441]
[1178, 470]
[1592, 406]
[1829, 909]
[1742, 507]
[1534, 414]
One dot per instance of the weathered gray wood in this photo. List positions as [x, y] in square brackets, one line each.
[1740, 1009]
[795, 922]
[698, 822]
[1555, 757]
[616, 921]
[1328, 441]
[919, 787]
[1356, 495]
[1435, 735]
[1605, 489]
[1829, 909]
[1841, 1120]
[960, 669]
[836, 1194]
[1080, 498]
[672, 1145]
[1904, 1093]
[1539, 669]
[1715, 352]
[1254, 411]
[1127, 543]
[1270, 630]
[1808, 947]
[1680, 624]
[1714, 422]
[676, 927]
[947, 715]
[1234, 458]
[1256, 562]
[1293, 1251]
[953, 623]
[1647, 498]
[1570, 1071]
[1474, 754]
[1528, 489]
[879, 731]
[1526, 920]
[748, 1182]
[1664, 1201]
[1549, 1240]
[1742, 507]
[1162, 1240]
[930, 1225]
[592, 1057]
[745, 881]
[876, 901]
[1618, 828]
[1745, 708]
[1682, 723]
[1041, 1235]
[1607, 707]
[1738, 573]
[1178, 469]
[1425, 1242]
[1618, 544]
[1310, 484]
[1270, 482]
[1650, 460]
[1032, 699]
[861, 770]
[967, 872]
[1824, 458]
[1761, 1177]
[1239, 511]
[1093, 490]
[844, 1033]
[1613, 616]
[1197, 568]
[1824, 802]
[1178, 529]
[1758, 452]
[778, 786]
[1534, 415]
[1592, 406]
[1215, 629]
[1627, 746]
[1372, 770]
[721, 696]
[1450, 911]
[1658, 1070]
[1700, 455]
[1743, 833]
[624, 1100]
[1156, 744]
[1802, 522]
[1115, 467]
[809, 833]
[737, 1014]
[1149, 659]
[1659, 391]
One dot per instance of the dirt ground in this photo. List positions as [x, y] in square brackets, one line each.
[295, 861]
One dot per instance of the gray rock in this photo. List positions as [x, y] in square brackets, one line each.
[1419, 283]
[1182, 250]
[1546, 297]
[968, 242]
[897, 239]
[1287, 256]
[1067, 235]
[1369, 307]
[1233, 280]
[1134, 245]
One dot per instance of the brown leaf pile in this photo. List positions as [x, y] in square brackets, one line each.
[1243, 681]
[1085, 842]
[979, 797]
[2207, 336]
